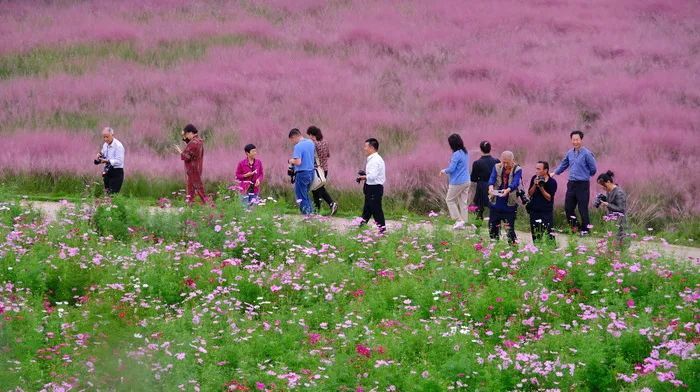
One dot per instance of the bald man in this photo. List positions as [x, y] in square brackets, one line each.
[503, 185]
[112, 156]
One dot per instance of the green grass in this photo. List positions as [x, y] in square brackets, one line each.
[76, 121]
[81, 58]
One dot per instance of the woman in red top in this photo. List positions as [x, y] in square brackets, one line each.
[193, 155]
[323, 153]
[249, 174]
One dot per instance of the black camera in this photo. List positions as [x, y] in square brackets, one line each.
[359, 174]
[523, 196]
[599, 199]
[291, 173]
[540, 181]
[108, 166]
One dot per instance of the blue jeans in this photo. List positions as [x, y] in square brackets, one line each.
[249, 199]
[302, 185]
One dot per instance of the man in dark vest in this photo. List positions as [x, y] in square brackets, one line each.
[503, 186]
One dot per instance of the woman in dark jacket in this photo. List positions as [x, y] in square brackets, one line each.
[481, 172]
[615, 203]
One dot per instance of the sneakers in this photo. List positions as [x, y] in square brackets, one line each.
[334, 208]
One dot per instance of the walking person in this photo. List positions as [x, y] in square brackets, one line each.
[616, 203]
[303, 162]
[541, 206]
[481, 172]
[323, 153]
[112, 156]
[458, 189]
[503, 186]
[582, 166]
[193, 156]
[249, 174]
[374, 178]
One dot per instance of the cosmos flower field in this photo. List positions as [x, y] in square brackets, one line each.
[202, 299]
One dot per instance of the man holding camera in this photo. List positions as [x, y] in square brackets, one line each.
[541, 205]
[503, 196]
[374, 177]
[582, 166]
[302, 160]
[193, 156]
[112, 156]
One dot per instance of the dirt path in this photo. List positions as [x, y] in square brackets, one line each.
[685, 253]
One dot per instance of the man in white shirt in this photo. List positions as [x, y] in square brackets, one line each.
[112, 156]
[374, 178]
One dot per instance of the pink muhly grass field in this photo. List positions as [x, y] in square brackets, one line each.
[521, 75]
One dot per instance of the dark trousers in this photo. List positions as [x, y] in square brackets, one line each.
[578, 194]
[541, 222]
[480, 212]
[322, 193]
[496, 218]
[373, 205]
[481, 198]
[113, 180]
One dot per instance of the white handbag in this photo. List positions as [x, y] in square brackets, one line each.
[319, 176]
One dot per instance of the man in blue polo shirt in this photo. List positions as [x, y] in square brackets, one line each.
[303, 161]
[581, 164]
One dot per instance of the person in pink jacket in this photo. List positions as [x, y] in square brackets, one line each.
[249, 174]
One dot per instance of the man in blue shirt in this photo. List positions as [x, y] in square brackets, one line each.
[581, 164]
[303, 159]
[503, 186]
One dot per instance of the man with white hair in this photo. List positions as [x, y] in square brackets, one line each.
[112, 156]
[503, 186]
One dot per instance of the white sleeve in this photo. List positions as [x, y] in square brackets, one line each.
[118, 159]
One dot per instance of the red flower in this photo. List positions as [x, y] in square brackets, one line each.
[363, 350]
